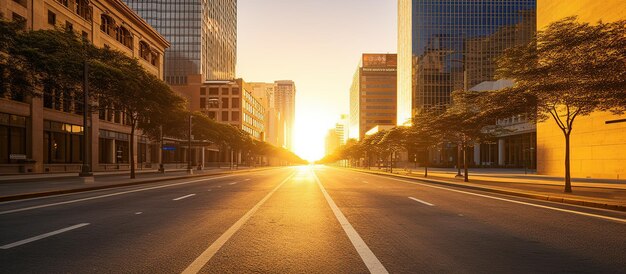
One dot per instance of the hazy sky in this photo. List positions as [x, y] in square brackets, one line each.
[317, 44]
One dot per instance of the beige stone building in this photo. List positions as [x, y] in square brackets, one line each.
[46, 134]
[228, 102]
[598, 141]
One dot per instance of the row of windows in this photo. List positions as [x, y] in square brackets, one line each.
[378, 100]
[216, 91]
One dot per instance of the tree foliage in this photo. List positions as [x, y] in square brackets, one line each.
[571, 69]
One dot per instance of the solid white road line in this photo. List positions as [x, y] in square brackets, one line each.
[204, 258]
[46, 235]
[371, 261]
[138, 213]
[620, 220]
[109, 195]
[233, 183]
[246, 180]
[420, 201]
[365, 182]
[184, 197]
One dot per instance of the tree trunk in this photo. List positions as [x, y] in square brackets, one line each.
[568, 179]
[132, 150]
[465, 173]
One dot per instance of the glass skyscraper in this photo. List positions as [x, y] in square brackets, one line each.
[448, 45]
[203, 34]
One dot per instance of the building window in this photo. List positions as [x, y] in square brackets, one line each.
[20, 20]
[69, 26]
[224, 102]
[224, 91]
[235, 91]
[114, 147]
[83, 9]
[12, 136]
[85, 36]
[203, 91]
[225, 116]
[235, 103]
[203, 103]
[212, 115]
[62, 142]
[123, 36]
[213, 91]
[144, 50]
[64, 2]
[235, 116]
[107, 24]
[52, 18]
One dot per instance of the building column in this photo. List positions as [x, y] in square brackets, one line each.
[135, 149]
[113, 154]
[501, 160]
[36, 133]
[477, 154]
[94, 136]
[203, 159]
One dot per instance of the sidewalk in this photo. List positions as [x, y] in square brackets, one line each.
[41, 185]
[610, 194]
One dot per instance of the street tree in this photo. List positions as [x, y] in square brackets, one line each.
[143, 99]
[571, 69]
[463, 122]
[421, 136]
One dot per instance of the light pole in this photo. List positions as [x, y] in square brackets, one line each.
[85, 170]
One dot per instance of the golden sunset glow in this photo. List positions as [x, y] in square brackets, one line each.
[295, 43]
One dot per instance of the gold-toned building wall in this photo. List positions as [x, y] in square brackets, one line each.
[598, 148]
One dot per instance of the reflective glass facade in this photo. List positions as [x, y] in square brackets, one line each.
[203, 34]
[451, 45]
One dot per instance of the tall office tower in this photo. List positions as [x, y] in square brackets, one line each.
[373, 94]
[285, 99]
[445, 46]
[203, 35]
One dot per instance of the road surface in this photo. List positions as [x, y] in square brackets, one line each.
[305, 220]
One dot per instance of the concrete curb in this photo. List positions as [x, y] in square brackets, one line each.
[523, 194]
[85, 189]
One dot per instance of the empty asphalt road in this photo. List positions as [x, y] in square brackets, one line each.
[305, 220]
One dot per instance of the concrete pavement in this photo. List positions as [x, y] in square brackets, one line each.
[305, 220]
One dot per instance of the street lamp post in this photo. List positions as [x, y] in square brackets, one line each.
[85, 170]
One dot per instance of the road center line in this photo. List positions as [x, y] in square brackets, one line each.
[420, 201]
[184, 197]
[365, 182]
[516, 202]
[371, 261]
[233, 183]
[206, 256]
[109, 195]
[42, 236]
